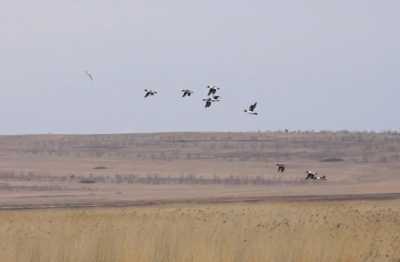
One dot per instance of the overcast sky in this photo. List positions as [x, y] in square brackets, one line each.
[310, 65]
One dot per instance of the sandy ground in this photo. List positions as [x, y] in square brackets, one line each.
[100, 170]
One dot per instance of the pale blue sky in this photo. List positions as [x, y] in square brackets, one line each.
[310, 64]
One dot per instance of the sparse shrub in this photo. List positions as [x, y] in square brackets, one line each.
[87, 181]
[100, 167]
[332, 159]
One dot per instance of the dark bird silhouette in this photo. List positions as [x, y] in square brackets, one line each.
[208, 101]
[212, 90]
[216, 98]
[186, 92]
[88, 74]
[251, 109]
[149, 92]
[314, 176]
[281, 167]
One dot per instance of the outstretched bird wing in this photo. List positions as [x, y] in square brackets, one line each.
[253, 106]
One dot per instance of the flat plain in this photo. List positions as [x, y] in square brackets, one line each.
[200, 197]
[95, 169]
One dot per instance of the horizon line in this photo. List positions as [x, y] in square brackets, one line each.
[301, 131]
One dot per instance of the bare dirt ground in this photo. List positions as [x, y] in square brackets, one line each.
[104, 170]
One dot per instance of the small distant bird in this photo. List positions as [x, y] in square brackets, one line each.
[212, 90]
[208, 101]
[314, 176]
[149, 92]
[88, 74]
[251, 109]
[281, 167]
[216, 98]
[186, 92]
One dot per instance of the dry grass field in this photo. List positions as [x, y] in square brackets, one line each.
[286, 231]
[200, 197]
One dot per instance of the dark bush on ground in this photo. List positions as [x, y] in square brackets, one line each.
[100, 167]
[333, 159]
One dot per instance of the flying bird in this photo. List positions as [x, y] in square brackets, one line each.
[212, 90]
[208, 101]
[216, 98]
[187, 92]
[88, 74]
[149, 92]
[251, 109]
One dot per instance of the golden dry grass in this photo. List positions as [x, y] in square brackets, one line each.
[295, 231]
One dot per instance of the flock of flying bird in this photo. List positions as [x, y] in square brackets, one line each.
[212, 96]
